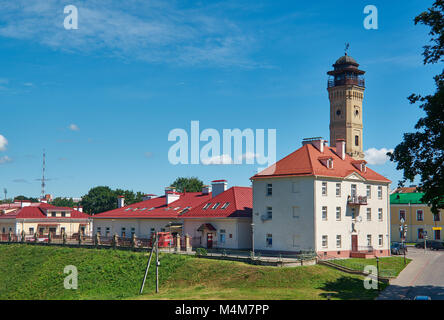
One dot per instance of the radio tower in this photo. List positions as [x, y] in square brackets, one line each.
[43, 176]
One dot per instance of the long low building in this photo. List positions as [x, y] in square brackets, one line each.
[219, 218]
[42, 218]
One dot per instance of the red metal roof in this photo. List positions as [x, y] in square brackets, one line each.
[240, 201]
[36, 211]
[156, 207]
[306, 162]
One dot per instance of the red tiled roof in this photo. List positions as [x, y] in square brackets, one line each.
[156, 207]
[306, 162]
[240, 205]
[36, 211]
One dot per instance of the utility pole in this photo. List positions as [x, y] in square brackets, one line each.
[157, 263]
[377, 272]
[252, 238]
[6, 192]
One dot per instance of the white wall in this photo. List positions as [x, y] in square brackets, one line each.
[142, 226]
[289, 233]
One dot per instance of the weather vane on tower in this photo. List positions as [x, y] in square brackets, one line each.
[347, 45]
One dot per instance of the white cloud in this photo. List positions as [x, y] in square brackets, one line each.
[153, 31]
[73, 127]
[3, 143]
[377, 157]
[5, 159]
[223, 159]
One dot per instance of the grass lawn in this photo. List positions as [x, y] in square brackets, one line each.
[388, 266]
[36, 272]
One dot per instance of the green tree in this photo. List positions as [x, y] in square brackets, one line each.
[99, 199]
[191, 184]
[421, 153]
[63, 202]
[18, 198]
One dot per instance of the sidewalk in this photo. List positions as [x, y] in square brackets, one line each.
[400, 287]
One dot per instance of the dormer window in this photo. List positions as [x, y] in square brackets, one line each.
[226, 204]
[361, 165]
[327, 162]
[330, 163]
[216, 205]
[206, 206]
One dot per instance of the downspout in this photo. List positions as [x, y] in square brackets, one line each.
[314, 216]
[388, 219]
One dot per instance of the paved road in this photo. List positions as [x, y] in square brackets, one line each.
[423, 276]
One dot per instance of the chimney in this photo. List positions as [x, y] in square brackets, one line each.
[120, 202]
[171, 195]
[206, 189]
[316, 142]
[148, 197]
[218, 186]
[79, 208]
[340, 148]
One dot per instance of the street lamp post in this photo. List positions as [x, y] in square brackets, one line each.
[252, 238]
[377, 272]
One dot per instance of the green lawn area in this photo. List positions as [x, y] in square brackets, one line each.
[388, 266]
[36, 272]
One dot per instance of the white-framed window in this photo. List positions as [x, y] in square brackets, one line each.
[269, 189]
[369, 191]
[269, 213]
[295, 187]
[369, 214]
[222, 235]
[269, 240]
[369, 240]
[402, 214]
[338, 189]
[296, 212]
[324, 241]
[353, 190]
[338, 241]
[226, 204]
[419, 215]
[380, 216]
[381, 240]
[31, 230]
[324, 213]
[379, 192]
[338, 213]
[324, 188]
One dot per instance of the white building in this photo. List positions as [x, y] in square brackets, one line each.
[319, 198]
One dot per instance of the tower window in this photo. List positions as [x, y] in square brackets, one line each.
[338, 112]
[356, 140]
[356, 112]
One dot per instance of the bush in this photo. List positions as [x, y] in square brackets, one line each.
[201, 252]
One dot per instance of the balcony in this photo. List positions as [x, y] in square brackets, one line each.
[357, 200]
[345, 81]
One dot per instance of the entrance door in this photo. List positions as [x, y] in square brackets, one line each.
[209, 240]
[354, 242]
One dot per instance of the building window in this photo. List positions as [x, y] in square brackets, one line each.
[269, 189]
[269, 240]
[420, 233]
[31, 230]
[437, 234]
[269, 213]
[338, 213]
[133, 231]
[338, 241]
[107, 232]
[380, 214]
[379, 192]
[222, 236]
[369, 214]
[53, 214]
[338, 189]
[353, 213]
[381, 240]
[63, 214]
[296, 212]
[356, 140]
[369, 192]
[98, 230]
[123, 232]
[419, 215]
[353, 190]
[226, 204]
[206, 206]
[152, 231]
[324, 213]
[402, 215]
[369, 240]
[436, 217]
[324, 188]
[324, 241]
[216, 205]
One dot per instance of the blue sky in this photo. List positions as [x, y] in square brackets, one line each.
[135, 70]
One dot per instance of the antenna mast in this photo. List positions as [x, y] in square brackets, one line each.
[43, 175]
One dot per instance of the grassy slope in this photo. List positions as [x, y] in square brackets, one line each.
[36, 272]
[388, 266]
